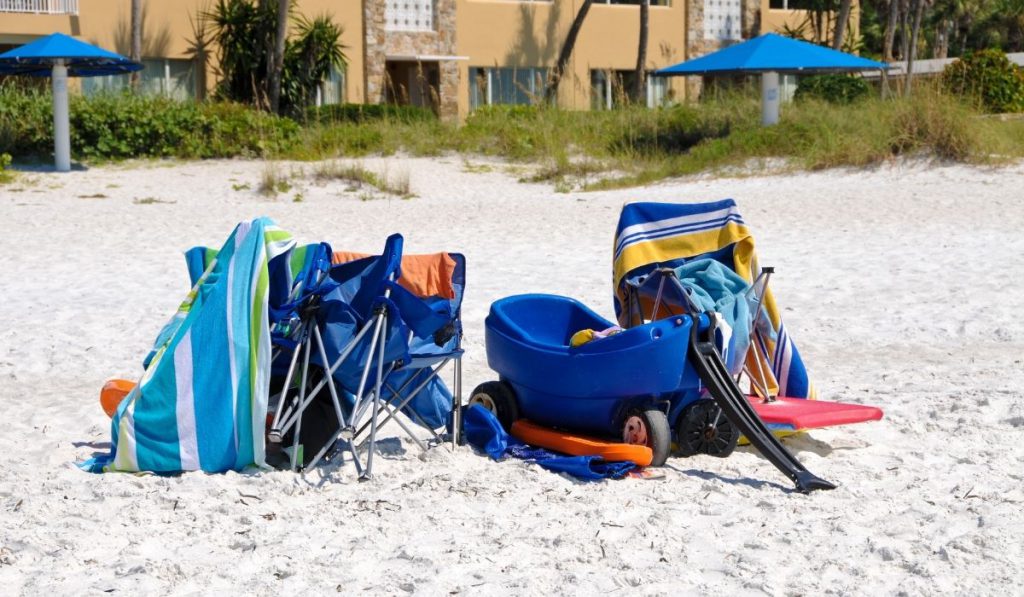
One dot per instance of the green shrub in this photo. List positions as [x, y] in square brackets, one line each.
[989, 78]
[123, 125]
[232, 130]
[26, 121]
[369, 112]
[835, 89]
[5, 162]
[671, 130]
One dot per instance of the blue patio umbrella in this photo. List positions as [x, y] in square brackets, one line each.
[60, 56]
[769, 55]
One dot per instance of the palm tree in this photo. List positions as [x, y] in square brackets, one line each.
[841, 21]
[277, 58]
[915, 31]
[135, 53]
[640, 91]
[551, 92]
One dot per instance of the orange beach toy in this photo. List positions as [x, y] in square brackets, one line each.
[113, 393]
[579, 445]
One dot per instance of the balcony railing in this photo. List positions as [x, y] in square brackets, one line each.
[409, 15]
[43, 7]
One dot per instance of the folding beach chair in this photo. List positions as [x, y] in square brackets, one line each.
[414, 387]
[380, 347]
[653, 240]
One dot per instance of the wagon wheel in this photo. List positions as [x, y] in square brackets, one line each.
[499, 398]
[704, 429]
[648, 426]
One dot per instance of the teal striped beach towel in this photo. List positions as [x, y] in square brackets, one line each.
[202, 401]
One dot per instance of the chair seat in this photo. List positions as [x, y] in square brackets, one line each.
[429, 360]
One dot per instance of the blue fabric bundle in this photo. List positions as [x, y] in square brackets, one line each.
[483, 431]
[715, 287]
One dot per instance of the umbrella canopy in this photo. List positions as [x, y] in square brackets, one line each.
[60, 56]
[81, 59]
[772, 53]
[769, 55]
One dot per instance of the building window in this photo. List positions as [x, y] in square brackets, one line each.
[614, 88]
[332, 89]
[790, 4]
[723, 20]
[409, 15]
[488, 86]
[171, 78]
[634, 2]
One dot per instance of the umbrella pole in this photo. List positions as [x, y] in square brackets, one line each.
[769, 98]
[61, 125]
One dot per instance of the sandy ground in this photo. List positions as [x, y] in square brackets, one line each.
[902, 287]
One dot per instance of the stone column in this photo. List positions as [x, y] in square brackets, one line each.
[694, 43]
[448, 104]
[374, 50]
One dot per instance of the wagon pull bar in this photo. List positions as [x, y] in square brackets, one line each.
[729, 397]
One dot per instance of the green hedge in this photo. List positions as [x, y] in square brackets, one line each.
[369, 112]
[990, 78]
[118, 126]
[834, 89]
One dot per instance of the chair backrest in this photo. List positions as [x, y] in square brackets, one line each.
[423, 275]
[363, 281]
[654, 235]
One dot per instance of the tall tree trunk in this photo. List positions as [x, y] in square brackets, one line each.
[841, 21]
[135, 52]
[277, 58]
[563, 57]
[914, 32]
[905, 8]
[942, 33]
[888, 40]
[640, 88]
[890, 30]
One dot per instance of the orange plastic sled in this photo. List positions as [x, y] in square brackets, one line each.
[113, 393]
[578, 445]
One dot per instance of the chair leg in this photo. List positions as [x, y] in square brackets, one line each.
[275, 427]
[344, 432]
[296, 456]
[408, 398]
[366, 369]
[384, 406]
[330, 381]
[457, 406]
[375, 408]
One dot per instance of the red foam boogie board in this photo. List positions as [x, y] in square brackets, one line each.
[796, 413]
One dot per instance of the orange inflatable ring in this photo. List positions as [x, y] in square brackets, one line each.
[578, 445]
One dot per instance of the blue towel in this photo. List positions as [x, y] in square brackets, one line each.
[484, 432]
[715, 287]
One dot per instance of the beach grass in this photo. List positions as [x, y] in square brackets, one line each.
[634, 146]
[571, 149]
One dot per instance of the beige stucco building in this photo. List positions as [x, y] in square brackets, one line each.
[453, 55]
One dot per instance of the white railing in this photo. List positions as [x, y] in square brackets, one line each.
[409, 15]
[45, 7]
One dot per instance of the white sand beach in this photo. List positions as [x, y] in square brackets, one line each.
[902, 286]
